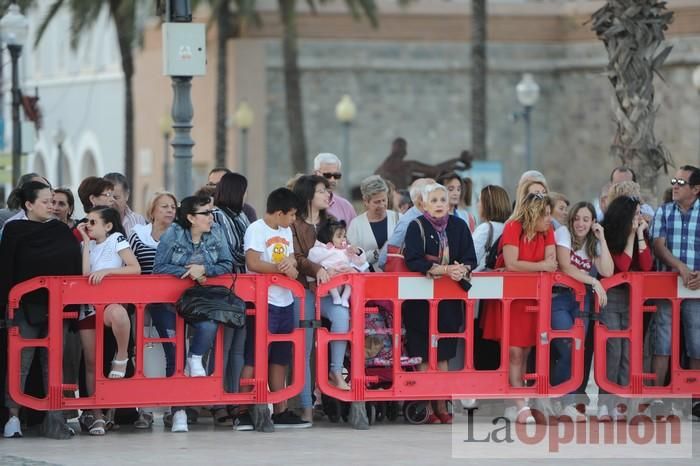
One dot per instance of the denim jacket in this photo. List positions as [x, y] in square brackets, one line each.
[175, 250]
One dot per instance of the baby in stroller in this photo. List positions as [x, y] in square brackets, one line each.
[332, 251]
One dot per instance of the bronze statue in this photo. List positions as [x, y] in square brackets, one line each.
[403, 172]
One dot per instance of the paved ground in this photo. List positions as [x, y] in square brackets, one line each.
[385, 444]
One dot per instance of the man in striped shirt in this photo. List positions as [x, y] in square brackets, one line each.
[676, 242]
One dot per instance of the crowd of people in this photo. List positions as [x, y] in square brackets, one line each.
[310, 233]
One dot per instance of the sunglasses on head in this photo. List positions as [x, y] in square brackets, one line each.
[538, 196]
[336, 175]
[679, 182]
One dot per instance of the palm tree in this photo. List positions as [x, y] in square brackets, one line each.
[84, 14]
[292, 74]
[479, 71]
[633, 32]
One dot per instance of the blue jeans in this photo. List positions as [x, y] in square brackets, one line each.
[204, 335]
[565, 310]
[305, 397]
[163, 318]
[340, 323]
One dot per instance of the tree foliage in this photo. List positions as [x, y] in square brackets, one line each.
[633, 32]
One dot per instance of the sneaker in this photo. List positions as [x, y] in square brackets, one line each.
[571, 414]
[603, 415]
[194, 368]
[179, 422]
[13, 428]
[145, 420]
[243, 422]
[289, 420]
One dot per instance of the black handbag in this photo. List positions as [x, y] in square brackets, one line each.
[213, 302]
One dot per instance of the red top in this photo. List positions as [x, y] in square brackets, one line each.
[640, 262]
[530, 251]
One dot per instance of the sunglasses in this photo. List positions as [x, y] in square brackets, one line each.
[204, 212]
[679, 182]
[336, 175]
[92, 222]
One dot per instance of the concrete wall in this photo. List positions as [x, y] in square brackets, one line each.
[422, 92]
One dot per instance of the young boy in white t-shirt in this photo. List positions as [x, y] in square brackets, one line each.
[269, 248]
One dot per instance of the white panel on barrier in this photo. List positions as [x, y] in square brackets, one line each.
[416, 288]
[486, 288]
[684, 292]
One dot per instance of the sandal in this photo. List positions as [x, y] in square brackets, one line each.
[340, 384]
[97, 427]
[520, 418]
[222, 417]
[116, 364]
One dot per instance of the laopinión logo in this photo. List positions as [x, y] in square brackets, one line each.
[634, 430]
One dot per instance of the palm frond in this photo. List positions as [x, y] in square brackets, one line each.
[53, 9]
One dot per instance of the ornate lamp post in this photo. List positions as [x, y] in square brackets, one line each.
[59, 138]
[244, 119]
[696, 82]
[345, 112]
[528, 92]
[15, 27]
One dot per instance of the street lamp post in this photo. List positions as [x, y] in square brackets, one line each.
[59, 139]
[243, 119]
[345, 112]
[14, 27]
[528, 92]
[696, 83]
[166, 124]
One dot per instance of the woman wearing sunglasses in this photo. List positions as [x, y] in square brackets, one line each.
[194, 248]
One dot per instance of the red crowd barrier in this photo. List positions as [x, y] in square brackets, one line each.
[368, 289]
[139, 390]
[643, 287]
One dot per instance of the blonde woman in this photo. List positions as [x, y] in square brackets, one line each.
[527, 245]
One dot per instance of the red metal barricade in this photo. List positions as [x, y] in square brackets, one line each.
[432, 383]
[139, 390]
[644, 286]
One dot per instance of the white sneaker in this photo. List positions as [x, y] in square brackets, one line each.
[513, 414]
[179, 421]
[573, 414]
[13, 428]
[194, 368]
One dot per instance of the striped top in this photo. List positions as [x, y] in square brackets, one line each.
[234, 227]
[144, 247]
[681, 232]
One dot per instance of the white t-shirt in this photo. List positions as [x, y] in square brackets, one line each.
[106, 254]
[274, 245]
[579, 258]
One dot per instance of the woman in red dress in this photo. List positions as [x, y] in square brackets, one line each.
[527, 245]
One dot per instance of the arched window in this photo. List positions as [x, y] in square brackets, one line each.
[63, 177]
[89, 165]
[39, 164]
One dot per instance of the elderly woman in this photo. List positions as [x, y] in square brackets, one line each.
[371, 230]
[437, 245]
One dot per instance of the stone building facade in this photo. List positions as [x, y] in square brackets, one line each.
[411, 78]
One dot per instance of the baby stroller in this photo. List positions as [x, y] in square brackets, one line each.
[378, 363]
